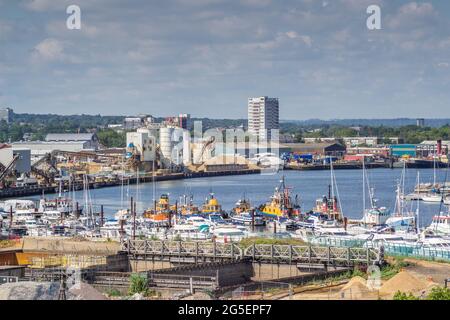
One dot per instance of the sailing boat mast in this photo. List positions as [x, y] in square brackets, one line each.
[364, 183]
[121, 187]
[418, 206]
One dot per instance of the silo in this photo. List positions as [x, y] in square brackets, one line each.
[186, 148]
[166, 145]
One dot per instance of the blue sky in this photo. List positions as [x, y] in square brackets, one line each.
[206, 57]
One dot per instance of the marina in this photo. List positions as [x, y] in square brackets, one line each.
[347, 215]
[236, 151]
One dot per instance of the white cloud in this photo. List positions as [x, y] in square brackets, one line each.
[412, 15]
[48, 50]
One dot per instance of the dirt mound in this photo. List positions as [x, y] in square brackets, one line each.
[356, 288]
[404, 282]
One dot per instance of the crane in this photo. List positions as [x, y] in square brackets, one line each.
[9, 167]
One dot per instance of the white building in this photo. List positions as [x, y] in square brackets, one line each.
[143, 144]
[359, 141]
[263, 116]
[41, 148]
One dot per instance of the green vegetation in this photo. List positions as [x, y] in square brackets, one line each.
[114, 293]
[244, 243]
[111, 138]
[36, 126]
[437, 293]
[409, 134]
[404, 296]
[391, 269]
[138, 284]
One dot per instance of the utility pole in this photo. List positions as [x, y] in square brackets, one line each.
[133, 212]
[62, 288]
[101, 216]
[10, 219]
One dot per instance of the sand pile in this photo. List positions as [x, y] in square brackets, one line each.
[356, 288]
[405, 282]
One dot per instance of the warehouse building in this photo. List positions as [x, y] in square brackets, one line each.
[89, 140]
[322, 149]
[403, 150]
[76, 142]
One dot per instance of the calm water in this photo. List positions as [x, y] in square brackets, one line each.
[309, 185]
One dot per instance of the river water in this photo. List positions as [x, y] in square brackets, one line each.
[309, 185]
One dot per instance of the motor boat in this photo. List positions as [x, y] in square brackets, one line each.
[188, 232]
[225, 234]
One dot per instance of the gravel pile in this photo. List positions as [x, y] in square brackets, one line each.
[47, 291]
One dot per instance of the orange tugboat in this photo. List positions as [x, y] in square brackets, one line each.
[188, 208]
[162, 210]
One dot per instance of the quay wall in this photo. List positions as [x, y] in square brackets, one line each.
[227, 273]
[37, 190]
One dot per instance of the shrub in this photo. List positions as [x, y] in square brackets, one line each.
[439, 293]
[113, 293]
[404, 296]
[138, 284]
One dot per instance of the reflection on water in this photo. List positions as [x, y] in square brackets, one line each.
[309, 185]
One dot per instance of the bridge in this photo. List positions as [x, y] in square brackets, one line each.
[201, 251]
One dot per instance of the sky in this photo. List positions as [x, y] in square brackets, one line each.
[206, 57]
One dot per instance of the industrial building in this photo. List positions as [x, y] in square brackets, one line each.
[132, 123]
[433, 147]
[75, 142]
[359, 141]
[6, 114]
[263, 116]
[322, 149]
[403, 150]
[23, 162]
[141, 144]
[90, 140]
[382, 151]
[318, 140]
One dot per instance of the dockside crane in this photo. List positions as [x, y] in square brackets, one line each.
[9, 168]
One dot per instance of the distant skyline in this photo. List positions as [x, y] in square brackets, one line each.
[206, 57]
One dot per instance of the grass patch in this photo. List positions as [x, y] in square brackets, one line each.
[113, 293]
[392, 268]
[244, 243]
[402, 257]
